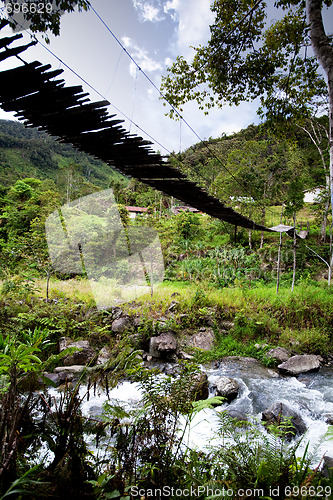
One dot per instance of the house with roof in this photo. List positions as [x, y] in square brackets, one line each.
[134, 211]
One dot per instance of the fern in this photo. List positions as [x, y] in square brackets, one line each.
[54, 360]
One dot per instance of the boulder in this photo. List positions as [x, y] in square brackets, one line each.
[62, 376]
[76, 369]
[63, 343]
[280, 413]
[121, 325]
[204, 339]
[227, 387]
[163, 346]
[103, 356]
[200, 389]
[236, 414]
[84, 355]
[54, 377]
[327, 469]
[279, 354]
[300, 364]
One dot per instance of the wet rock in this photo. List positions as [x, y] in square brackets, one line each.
[54, 377]
[64, 376]
[103, 356]
[280, 413]
[84, 355]
[300, 364]
[227, 387]
[327, 470]
[236, 414]
[329, 419]
[246, 365]
[163, 346]
[121, 325]
[200, 389]
[279, 354]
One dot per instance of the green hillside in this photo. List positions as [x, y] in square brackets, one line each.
[27, 152]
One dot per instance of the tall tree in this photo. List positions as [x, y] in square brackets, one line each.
[249, 57]
[40, 16]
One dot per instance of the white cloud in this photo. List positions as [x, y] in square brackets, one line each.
[194, 18]
[126, 41]
[146, 63]
[148, 11]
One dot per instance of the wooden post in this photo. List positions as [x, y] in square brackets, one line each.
[278, 264]
[279, 256]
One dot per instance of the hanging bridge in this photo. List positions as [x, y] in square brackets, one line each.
[39, 99]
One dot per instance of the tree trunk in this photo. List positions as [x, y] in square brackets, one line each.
[316, 139]
[48, 275]
[250, 239]
[263, 214]
[325, 214]
[324, 53]
[279, 255]
[294, 253]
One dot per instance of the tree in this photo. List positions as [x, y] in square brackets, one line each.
[247, 59]
[319, 135]
[45, 16]
[255, 170]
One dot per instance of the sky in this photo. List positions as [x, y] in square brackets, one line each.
[153, 32]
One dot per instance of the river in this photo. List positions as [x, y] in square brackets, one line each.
[311, 395]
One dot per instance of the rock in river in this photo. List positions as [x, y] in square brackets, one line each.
[300, 364]
[279, 413]
[227, 388]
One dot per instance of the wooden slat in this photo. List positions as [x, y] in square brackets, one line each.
[31, 91]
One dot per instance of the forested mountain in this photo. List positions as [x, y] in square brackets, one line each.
[226, 164]
[248, 163]
[27, 152]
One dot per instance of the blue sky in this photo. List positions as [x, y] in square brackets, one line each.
[154, 32]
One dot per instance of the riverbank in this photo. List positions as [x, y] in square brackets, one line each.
[233, 320]
[180, 326]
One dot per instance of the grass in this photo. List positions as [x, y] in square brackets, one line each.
[309, 305]
[301, 320]
[79, 290]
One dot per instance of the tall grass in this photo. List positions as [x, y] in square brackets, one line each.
[301, 320]
[309, 305]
